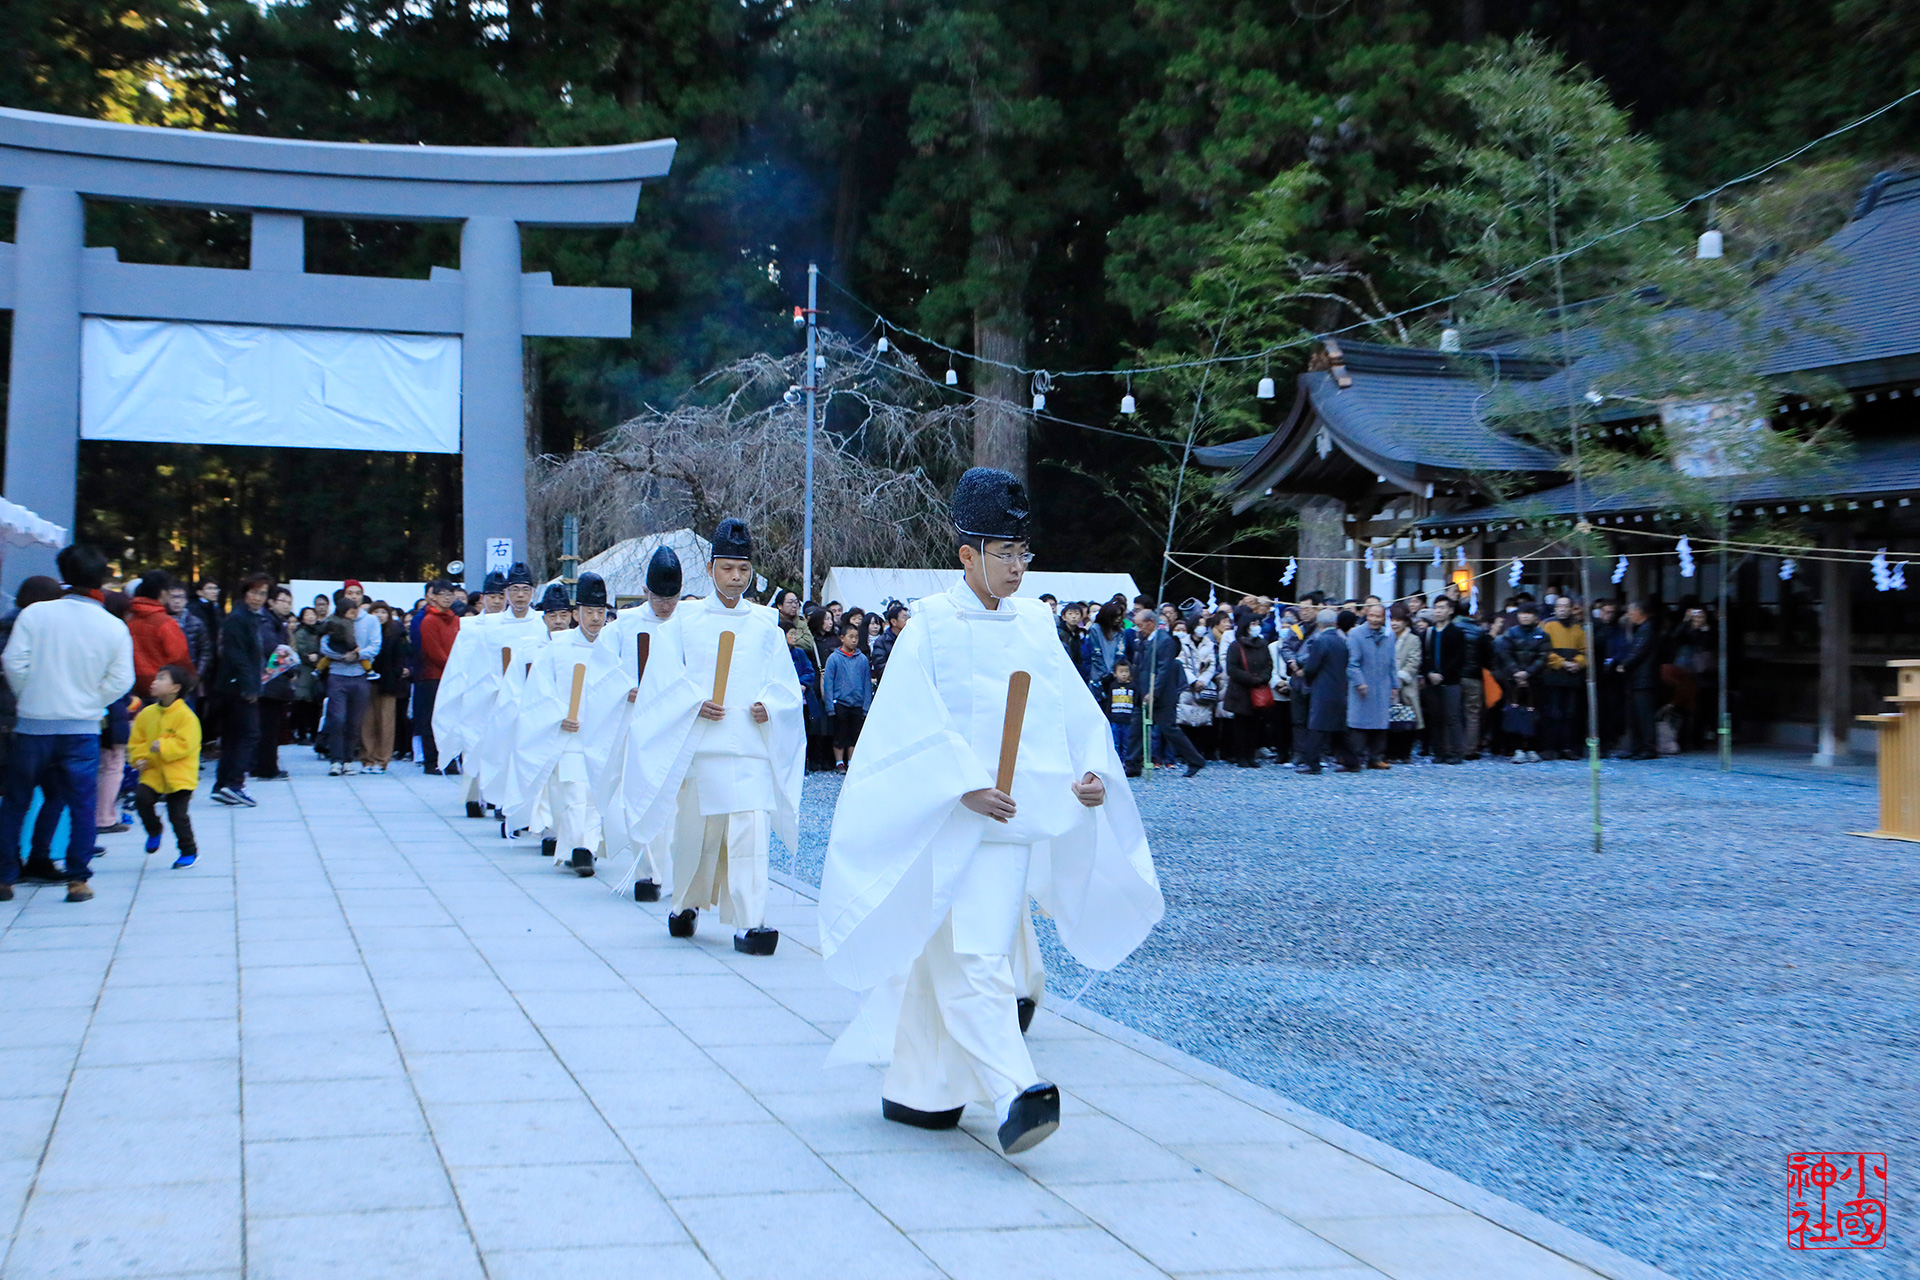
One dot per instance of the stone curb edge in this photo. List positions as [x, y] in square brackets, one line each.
[1523, 1222]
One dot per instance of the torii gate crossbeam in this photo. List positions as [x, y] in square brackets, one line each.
[51, 280]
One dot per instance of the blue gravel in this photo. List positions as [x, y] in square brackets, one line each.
[1629, 1045]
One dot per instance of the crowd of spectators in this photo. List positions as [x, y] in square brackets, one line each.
[1360, 683]
[1365, 684]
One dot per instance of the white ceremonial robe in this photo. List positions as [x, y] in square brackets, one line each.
[702, 782]
[645, 861]
[547, 760]
[489, 731]
[504, 721]
[923, 902]
[449, 725]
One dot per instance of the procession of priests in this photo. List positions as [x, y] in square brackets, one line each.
[662, 748]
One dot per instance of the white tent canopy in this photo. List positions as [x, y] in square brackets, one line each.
[872, 588]
[19, 527]
[624, 564]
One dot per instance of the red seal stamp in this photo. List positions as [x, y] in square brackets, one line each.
[1837, 1200]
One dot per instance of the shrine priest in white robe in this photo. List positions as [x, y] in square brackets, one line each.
[489, 702]
[718, 771]
[650, 865]
[930, 864]
[557, 729]
[556, 613]
[454, 729]
[470, 680]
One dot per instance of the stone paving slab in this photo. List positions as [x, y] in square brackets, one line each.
[365, 1037]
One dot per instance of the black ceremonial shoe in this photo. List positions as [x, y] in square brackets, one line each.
[1032, 1118]
[680, 923]
[646, 891]
[583, 863]
[900, 1113]
[475, 809]
[756, 942]
[547, 847]
[1027, 1008]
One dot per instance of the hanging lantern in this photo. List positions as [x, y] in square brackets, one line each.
[1449, 339]
[953, 378]
[1712, 244]
[1686, 557]
[1265, 389]
[1787, 568]
[881, 346]
[1039, 402]
[1619, 570]
[1126, 404]
[819, 362]
[1293, 567]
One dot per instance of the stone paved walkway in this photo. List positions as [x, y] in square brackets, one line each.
[365, 1037]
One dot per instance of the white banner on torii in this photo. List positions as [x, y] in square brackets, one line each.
[191, 383]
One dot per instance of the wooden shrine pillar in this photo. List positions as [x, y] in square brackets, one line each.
[1836, 664]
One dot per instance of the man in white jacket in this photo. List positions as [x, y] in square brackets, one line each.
[67, 659]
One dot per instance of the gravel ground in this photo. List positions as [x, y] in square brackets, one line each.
[1630, 1045]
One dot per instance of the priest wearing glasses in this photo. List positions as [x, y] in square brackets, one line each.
[931, 861]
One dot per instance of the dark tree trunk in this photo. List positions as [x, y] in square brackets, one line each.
[1000, 334]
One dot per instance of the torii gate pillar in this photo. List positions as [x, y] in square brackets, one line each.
[43, 386]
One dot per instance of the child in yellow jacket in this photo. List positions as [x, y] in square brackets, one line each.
[166, 745]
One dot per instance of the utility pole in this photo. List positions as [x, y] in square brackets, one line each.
[812, 385]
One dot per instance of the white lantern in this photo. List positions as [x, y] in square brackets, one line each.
[819, 362]
[1265, 390]
[883, 344]
[1039, 402]
[1126, 403]
[953, 378]
[1712, 244]
[1449, 339]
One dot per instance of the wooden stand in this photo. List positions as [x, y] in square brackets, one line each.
[1899, 758]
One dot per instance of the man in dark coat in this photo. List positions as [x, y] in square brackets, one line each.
[1443, 663]
[1160, 676]
[1323, 666]
[242, 662]
[1293, 643]
[1638, 662]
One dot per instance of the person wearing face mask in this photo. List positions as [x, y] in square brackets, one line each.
[717, 769]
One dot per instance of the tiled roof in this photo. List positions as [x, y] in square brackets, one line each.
[1882, 467]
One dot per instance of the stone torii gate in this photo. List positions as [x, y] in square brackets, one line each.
[51, 280]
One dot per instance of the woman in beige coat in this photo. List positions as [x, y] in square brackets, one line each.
[1406, 658]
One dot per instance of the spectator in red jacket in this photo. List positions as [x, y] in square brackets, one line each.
[157, 638]
[437, 631]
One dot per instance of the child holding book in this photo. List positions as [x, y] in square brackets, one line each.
[166, 746]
